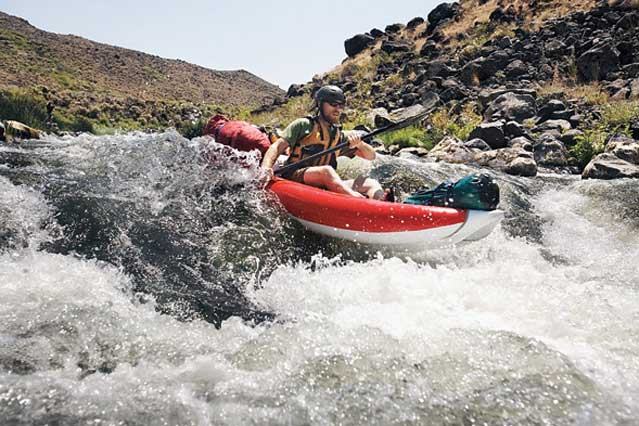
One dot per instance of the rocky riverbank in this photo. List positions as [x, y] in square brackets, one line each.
[564, 96]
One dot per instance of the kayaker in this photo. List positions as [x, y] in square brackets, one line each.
[310, 135]
[237, 134]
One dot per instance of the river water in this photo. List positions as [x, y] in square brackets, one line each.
[143, 284]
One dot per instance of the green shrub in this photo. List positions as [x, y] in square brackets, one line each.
[412, 136]
[23, 107]
[590, 144]
[190, 129]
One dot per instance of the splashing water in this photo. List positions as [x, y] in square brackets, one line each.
[146, 279]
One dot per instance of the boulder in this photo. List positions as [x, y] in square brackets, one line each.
[491, 133]
[559, 125]
[393, 28]
[512, 106]
[389, 46]
[412, 151]
[429, 49]
[597, 62]
[379, 117]
[487, 96]
[377, 33]
[451, 150]
[624, 148]
[512, 129]
[571, 137]
[415, 22]
[15, 131]
[609, 166]
[521, 143]
[441, 13]
[1, 131]
[295, 90]
[477, 144]
[513, 161]
[550, 107]
[357, 43]
[550, 152]
[516, 68]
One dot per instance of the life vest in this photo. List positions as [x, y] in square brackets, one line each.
[319, 139]
[239, 135]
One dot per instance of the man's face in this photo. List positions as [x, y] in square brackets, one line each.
[332, 111]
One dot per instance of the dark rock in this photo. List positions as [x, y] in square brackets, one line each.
[571, 137]
[295, 90]
[396, 46]
[412, 151]
[521, 143]
[509, 160]
[504, 43]
[439, 69]
[491, 133]
[415, 22]
[550, 153]
[554, 48]
[429, 97]
[551, 106]
[625, 148]
[429, 49]
[377, 33]
[558, 125]
[562, 115]
[501, 15]
[451, 150]
[441, 13]
[477, 144]
[512, 106]
[576, 120]
[357, 43]
[595, 63]
[516, 68]
[512, 129]
[393, 28]
[522, 166]
[409, 99]
[631, 70]
[609, 166]
[487, 96]
[628, 21]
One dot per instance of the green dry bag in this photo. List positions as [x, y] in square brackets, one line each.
[476, 192]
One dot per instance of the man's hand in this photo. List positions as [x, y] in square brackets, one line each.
[354, 140]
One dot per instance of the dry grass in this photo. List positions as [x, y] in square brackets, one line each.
[591, 93]
[472, 11]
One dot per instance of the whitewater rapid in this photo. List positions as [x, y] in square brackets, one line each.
[535, 324]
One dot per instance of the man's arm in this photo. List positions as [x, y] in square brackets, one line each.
[364, 150]
[278, 148]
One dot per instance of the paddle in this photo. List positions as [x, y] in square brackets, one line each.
[391, 127]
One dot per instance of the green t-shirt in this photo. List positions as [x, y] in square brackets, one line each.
[301, 128]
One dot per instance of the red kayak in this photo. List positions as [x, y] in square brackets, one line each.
[380, 222]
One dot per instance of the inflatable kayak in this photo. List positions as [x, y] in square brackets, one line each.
[378, 222]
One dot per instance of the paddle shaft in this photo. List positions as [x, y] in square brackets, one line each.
[395, 126]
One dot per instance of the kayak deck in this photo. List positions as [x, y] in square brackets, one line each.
[378, 222]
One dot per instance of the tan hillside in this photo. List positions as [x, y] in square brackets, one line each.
[66, 62]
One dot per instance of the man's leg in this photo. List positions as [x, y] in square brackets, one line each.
[327, 177]
[370, 187]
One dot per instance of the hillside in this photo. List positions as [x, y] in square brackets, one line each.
[80, 75]
[562, 75]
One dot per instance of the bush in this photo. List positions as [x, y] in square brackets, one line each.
[23, 107]
[590, 144]
[192, 129]
[411, 136]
